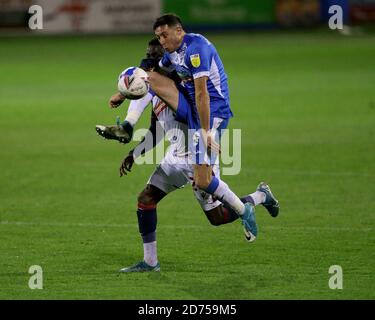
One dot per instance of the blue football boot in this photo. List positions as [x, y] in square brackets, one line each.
[248, 221]
[270, 203]
[141, 267]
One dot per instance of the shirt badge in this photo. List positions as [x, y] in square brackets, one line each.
[195, 60]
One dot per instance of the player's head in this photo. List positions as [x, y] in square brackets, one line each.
[168, 29]
[154, 49]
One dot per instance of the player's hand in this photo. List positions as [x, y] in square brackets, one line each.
[116, 100]
[211, 144]
[126, 165]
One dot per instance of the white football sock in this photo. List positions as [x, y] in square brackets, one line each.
[133, 116]
[149, 253]
[224, 194]
[258, 197]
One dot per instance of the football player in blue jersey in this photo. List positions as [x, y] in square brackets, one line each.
[172, 173]
[202, 101]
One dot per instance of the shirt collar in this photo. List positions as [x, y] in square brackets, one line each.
[182, 43]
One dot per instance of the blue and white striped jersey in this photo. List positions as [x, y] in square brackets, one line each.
[195, 58]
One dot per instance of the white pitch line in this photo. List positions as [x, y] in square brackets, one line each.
[134, 225]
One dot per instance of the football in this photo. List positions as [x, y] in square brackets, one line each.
[132, 83]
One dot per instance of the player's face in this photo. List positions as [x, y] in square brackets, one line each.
[169, 37]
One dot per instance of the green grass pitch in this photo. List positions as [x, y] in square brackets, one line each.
[306, 107]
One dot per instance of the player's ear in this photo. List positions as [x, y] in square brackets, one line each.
[178, 28]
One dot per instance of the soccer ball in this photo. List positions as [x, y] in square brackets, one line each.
[132, 83]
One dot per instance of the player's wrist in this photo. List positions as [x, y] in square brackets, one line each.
[121, 96]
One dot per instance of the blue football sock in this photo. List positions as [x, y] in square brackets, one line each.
[147, 221]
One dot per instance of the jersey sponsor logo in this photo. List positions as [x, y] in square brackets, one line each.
[160, 106]
[195, 60]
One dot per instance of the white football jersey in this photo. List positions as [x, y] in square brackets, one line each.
[175, 132]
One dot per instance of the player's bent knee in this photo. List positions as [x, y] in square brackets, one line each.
[146, 199]
[202, 183]
[215, 217]
[202, 176]
[150, 196]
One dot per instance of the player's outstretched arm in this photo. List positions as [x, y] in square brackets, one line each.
[116, 100]
[149, 141]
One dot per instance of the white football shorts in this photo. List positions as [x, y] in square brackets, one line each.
[175, 172]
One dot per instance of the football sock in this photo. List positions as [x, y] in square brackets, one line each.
[149, 253]
[147, 221]
[132, 117]
[221, 191]
[258, 197]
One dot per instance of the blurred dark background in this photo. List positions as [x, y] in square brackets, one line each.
[128, 16]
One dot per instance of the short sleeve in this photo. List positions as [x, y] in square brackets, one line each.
[165, 62]
[198, 59]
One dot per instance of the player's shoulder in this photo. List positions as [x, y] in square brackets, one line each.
[199, 45]
[196, 39]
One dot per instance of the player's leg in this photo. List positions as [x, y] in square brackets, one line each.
[158, 186]
[213, 185]
[218, 213]
[223, 214]
[264, 196]
[164, 88]
[203, 173]
[221, 191]
[147, 221]
[204, 166]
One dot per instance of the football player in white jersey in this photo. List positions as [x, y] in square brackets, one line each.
[174, 172]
